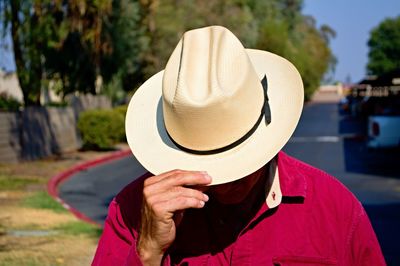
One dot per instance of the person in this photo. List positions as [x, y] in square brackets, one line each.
[210, 129]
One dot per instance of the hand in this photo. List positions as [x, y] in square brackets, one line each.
[165, 197]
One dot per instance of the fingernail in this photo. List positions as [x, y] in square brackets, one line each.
[206, 198]
[202, 203]
[207, 176]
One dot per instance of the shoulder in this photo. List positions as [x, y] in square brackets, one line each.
[328, 200]
[318, 182]
[323, 192]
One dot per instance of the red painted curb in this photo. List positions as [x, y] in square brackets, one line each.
[55, 181]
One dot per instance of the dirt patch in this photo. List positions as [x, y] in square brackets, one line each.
[72, 244]
[54, 250]
[17, 217]
[60, 248]
[49, 167]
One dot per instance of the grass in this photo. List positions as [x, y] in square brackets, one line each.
[26, 206]
[80, 228]
[42, 200]
[8, 182]
[20, 261]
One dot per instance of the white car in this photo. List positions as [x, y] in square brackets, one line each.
[383, 131]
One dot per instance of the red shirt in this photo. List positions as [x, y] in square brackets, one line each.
[318, 222]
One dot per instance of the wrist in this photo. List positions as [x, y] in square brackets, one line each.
[149, 256]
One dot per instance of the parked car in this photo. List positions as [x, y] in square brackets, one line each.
[350, 105]
[383, 131]
[377, 106]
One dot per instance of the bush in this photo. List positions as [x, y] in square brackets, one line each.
[121, 109]
[101, 129]
[8, 103]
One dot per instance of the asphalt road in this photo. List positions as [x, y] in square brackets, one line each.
[323, 138]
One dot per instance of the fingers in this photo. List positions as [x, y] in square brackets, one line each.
[177, 178]
[156, 178]
[165, 197]
[176, 192]
[165, 209]
[169, 192]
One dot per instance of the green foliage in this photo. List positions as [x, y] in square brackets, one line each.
[42, 200]
[101, 129]
[384, 47]
[114, 89]
[8, 103]
[121, 109]
[33, 33]
[76, 57]
[57, 104]
[276, 25]
[74, 43]
[121, 68]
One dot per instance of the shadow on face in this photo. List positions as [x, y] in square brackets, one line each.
[235, 192]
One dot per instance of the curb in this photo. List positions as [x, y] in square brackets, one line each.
[55, 181]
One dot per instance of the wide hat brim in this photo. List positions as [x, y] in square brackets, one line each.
[152, 147]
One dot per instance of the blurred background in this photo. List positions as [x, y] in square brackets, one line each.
[69, 68]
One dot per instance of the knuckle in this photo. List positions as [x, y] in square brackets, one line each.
[177, 190]
[197, 194]
[181, 177]
[177, 171]
[188, 201]
[156, 208]
[182, 200]
[146, 192]
[149, 181]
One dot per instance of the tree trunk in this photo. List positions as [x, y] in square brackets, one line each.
[19, 62]
[29, 66]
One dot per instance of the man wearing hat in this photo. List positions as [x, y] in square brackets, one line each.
[220, 114]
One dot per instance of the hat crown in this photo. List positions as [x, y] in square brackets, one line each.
[212, 95]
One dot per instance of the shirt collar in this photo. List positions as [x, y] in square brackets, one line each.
[286, 180]
[292, 179]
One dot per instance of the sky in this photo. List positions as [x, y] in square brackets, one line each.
[351, 19]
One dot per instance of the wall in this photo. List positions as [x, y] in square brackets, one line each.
[10, 149]
[39, 132]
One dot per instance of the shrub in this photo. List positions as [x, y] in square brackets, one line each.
[8, 103]
[121, 109]
[101, 129]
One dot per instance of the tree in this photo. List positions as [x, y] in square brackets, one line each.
[123, 42]
[384, 47]
[75, 43]
[276, 25]
[122, 68]
[31, 24]
[76, 58]
[288, 33]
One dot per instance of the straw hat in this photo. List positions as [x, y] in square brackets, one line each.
[217, 107]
